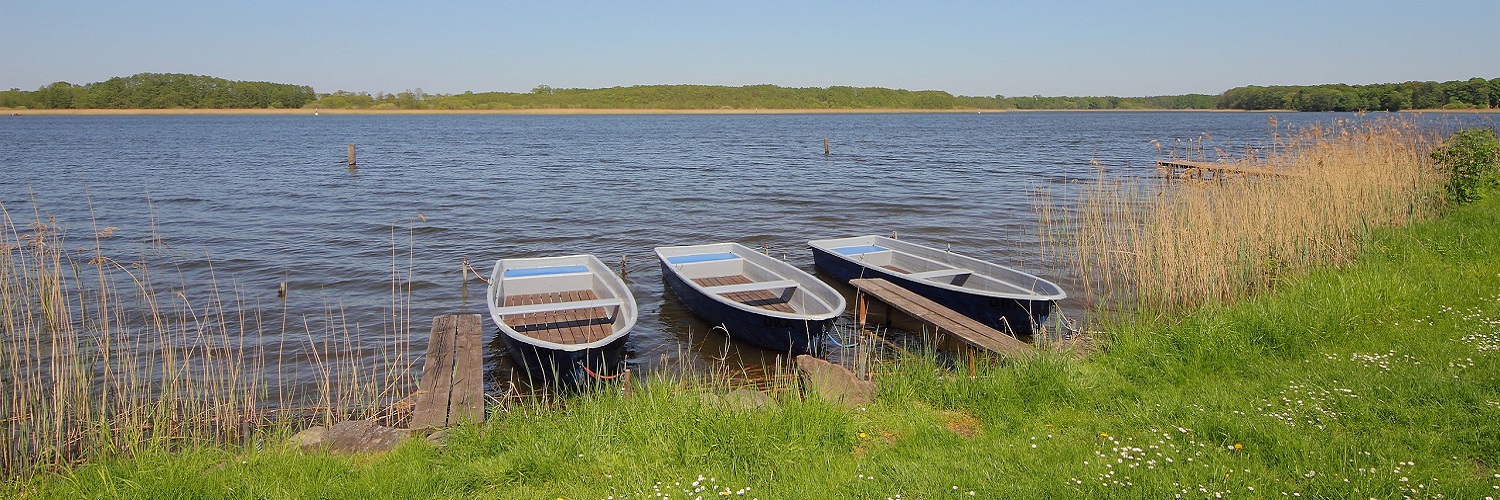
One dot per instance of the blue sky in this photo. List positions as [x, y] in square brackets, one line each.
[964, 47]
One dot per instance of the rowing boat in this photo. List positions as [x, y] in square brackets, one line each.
[754, 297]
[564, 318]
[1000, 297]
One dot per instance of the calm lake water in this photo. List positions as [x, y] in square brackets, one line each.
[267, 199]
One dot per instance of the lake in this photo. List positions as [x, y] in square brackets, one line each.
[248, 202]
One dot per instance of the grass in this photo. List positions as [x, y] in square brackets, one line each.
[1378, 379]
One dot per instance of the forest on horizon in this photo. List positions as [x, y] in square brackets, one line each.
[182, 91]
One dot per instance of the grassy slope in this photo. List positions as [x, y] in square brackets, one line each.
[1379, 380]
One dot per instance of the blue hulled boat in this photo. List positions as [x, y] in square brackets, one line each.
[755, 297]
[1002, 298]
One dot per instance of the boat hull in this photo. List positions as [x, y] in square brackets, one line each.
[1019, 317]
[793, 336]
[563, 368]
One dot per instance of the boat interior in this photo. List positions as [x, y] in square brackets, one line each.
[918, 267]
[740, 280]
[558, 304]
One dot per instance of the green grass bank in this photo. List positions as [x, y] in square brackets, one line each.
[1377, 380]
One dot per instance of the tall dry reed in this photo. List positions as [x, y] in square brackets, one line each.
[100, 356]
[1167, 243]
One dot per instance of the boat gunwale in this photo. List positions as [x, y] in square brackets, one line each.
[750, 256]
[829, 246]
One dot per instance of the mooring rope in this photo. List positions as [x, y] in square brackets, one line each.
[835, 342]
[596, 375]
[470, 267]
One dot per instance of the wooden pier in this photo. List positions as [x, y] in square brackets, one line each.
[1184, 169]
[942, 319]
[452, 386]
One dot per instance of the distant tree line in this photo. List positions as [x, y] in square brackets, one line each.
[157, 91]
[748, 97]
[1186, 101]
[652, 97]
[161, 91]
[1456, 94]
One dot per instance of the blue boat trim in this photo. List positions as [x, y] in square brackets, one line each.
[543, 271]
[701, 257]
[860, 249]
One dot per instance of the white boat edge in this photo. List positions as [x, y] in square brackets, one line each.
[999, 272]
[815, 287]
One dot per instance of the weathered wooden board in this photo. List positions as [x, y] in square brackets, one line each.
[945, 320]
[1185, 169]
[758, 298]
[452, 385]
[466, 404]
[568, 326]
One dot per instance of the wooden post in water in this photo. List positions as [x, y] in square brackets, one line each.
[463, 289]
[825, 146]
[351, 157]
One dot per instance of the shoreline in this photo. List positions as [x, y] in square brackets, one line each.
[570, 111]
[633, 111]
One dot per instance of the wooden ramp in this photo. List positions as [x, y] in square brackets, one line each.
[943, 319]
[452, 386]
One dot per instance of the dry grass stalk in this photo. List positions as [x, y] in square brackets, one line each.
[1165, 244]
[96, 358]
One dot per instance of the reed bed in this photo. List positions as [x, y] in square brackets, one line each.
[1167, 244]
[100, 356]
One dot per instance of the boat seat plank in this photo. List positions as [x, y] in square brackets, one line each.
[733, 279]
[560, 304]
[757, 298]
[763, 299]
[940, 273]
[896, 269]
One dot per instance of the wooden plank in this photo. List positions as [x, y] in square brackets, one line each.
[437, 376]
[758, 298]
[1195, 169]
[581, 321]
[733, 279]
[751, 287]
[562, 306]
[570, 326]
[467, 401]
[944, 319]
[761, 298]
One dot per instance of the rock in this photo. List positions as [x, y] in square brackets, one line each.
[740, 399]
[310, 437]
[833, 382]
[357, 436]
[438, 439]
